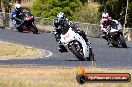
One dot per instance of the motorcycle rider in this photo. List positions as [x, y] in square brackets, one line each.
[105, 21]
[15, 16]
[61, 23]
[108, 21]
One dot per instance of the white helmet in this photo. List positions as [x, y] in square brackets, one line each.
[105, 15]
[17, 6]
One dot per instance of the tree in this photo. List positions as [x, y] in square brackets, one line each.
[0, 4]
[116, 9]
[7, 6]
[49, 8]
[84, 1]
[87, 14]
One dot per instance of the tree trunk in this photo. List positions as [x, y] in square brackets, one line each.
[0, 4]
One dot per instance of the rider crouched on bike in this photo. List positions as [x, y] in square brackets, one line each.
[15, 16]
[108, 21]
[61, 23]
[105, 22]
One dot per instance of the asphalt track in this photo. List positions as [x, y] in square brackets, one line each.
[105, 56]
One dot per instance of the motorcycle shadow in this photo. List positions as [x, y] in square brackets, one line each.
[82, 61]
[119, 47]
[29, 32]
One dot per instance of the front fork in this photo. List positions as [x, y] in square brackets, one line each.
[115, 38]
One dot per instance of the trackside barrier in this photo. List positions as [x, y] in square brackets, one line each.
[92, 30]
[5, 19]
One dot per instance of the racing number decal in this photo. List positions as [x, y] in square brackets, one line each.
[66, 36]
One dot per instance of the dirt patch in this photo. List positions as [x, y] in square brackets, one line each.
[15, 51]
[53, 77]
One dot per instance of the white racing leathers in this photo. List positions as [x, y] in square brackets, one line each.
[115, 35]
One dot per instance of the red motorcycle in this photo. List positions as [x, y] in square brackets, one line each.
[28, 23]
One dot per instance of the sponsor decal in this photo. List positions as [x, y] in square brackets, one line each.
[83, 77]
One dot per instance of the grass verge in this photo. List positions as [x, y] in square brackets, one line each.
[52, 77]
[15, 51]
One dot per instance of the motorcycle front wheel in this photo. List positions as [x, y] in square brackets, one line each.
[76, 50]
[34, 29]
[122, 42]
[114, 42]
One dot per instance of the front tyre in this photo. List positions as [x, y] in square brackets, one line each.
[122, 42]
[114, 44]
[20, 29]
[34, 29]
[75, 50]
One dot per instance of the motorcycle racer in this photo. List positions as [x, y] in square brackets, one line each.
[61, 23]
[105, 21]
[15, 16]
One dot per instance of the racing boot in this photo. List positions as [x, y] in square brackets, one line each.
[62, 48]
[108, 41]
[104, 36]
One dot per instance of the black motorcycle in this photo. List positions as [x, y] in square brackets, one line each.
[115, 35]
[27, 23]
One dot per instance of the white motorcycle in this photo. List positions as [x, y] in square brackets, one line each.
[76, 44]
[115, 35]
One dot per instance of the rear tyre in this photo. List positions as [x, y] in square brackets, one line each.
[122, 42]
[76, 53]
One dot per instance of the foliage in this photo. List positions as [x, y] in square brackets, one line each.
[6, 5]
[77, 9]
[83, 1]
[49, 8]
[87, 14]
[117, 9]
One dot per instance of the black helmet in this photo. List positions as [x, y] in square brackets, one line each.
[61, 15]
[56, 22]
